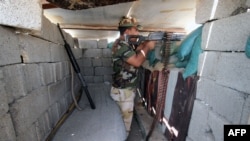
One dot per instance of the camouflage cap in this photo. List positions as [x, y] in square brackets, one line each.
[129, 22]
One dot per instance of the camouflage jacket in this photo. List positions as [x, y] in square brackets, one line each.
[124, 74]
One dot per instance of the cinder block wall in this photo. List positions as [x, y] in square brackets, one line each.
[223, 92]
[96, 63]
[16, 14]
[35, 82]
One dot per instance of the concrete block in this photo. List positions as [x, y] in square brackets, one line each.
[47, 123]
[9, 49]
[77, 52]
[103, 70]
[69, 39]
[87, 44]
[61, 106]
[69, 98]
[58, 71]
[107, 62]
[28, 135]
[32, 77]
[54, 114]
[207, 10]
[46, 30]
[16, 13]
[97, 53]
[229, 34]
[1, 74]
[77, 82]
[69, 67]
[208, 62]
[98, 79]
[4, 107]
[41, 127]
[68, 83]
[97, 62]
[58, 53]
[80, 62]
[107, 78]
[57, 35]
[198, 129]
[66, 68]
[7, 131]
[78, 88]
[89, 79]
[47, 74]
[106, 52]
[234, 74]
[56, 91]
[87, 71]
[14, 82]
[27, 110]
[50, 31]
[39, 131]
[86, 62]
[34, 49]
[227, 69]
[224, 101]
[103, 43]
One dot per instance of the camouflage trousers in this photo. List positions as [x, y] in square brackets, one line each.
[125, 100]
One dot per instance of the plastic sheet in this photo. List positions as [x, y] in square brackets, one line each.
[187, 44]
[247, 49]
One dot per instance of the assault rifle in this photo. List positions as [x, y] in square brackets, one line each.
[153, 36]
[76, 69]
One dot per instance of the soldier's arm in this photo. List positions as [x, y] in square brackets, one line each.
[143, 49]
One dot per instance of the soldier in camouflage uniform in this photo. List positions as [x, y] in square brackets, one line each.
[126, 60]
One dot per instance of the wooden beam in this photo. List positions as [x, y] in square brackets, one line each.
[48, 6]
[85, 4]
[114, 28]
[87, 27]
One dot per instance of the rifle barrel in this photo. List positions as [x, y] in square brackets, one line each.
[76, 69]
